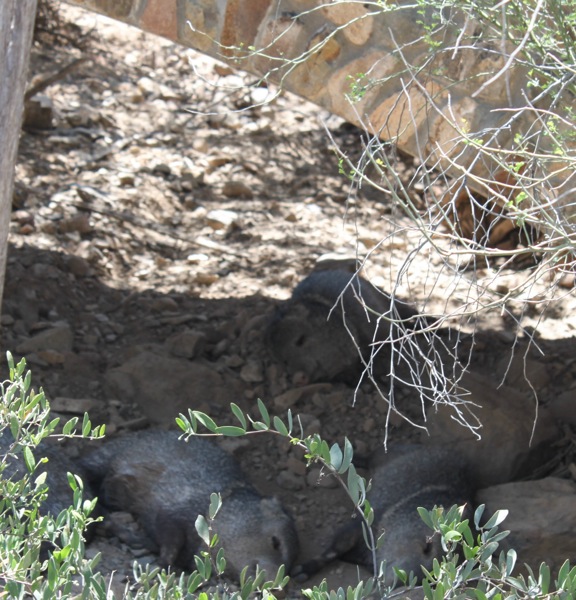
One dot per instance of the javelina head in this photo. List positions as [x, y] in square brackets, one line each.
[408, 477]
[304, 338]
[332, 322]
[256, 531]
[409, 547]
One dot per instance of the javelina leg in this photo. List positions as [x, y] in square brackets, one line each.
[171, 538]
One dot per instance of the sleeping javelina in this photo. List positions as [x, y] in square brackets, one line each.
[166, 483]
[312, 331]
[402, 480]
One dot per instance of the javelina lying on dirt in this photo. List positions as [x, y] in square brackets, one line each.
[312, 331]
[166, 483]
[402, 480]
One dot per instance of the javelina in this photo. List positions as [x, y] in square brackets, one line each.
[312, 332]
[166, 483]
[402, 480]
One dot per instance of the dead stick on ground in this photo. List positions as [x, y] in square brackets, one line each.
[48, 81]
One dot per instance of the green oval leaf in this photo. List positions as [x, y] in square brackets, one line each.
[200, 567]
[353, 485]
[230, 430]
[69, 426]
[324, 452]
[207, 421]
[544, 578]
[182, 423]
[237, 411]
[452, 536]
[496, 519]
[264, 412]
[28, 458]
[280, 575]
[563, 573]
[14, 426]
[336, 456]
[347, 458]
[478, 515]
[368, 512]
[194, 582]
[203, 530]
[215, 505]
[280, 427]
[220, 561]
[425, 516]
[86, 425]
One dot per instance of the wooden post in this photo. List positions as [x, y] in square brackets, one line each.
[16, 29]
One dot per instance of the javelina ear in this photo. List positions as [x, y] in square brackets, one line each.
[117, 489]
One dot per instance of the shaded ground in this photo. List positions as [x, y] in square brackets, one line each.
[117, 239]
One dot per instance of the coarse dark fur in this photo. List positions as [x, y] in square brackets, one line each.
[166, 482]
[60, 495]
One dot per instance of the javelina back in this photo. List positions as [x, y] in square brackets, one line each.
[402, 480]
[166, 483]
[312, 332]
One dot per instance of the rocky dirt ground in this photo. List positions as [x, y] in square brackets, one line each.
[163, 208]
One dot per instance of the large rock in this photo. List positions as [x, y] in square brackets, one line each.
[542, 519]
[163, 387]
[515, 437]
[60, 337]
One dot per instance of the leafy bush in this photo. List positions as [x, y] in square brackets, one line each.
[25, 530]
[468, 568]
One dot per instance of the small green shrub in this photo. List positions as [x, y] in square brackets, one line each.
[27, 570]
[25, 529]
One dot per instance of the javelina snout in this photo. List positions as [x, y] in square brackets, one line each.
[265, 537]
[166, 483]
[332, 319]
